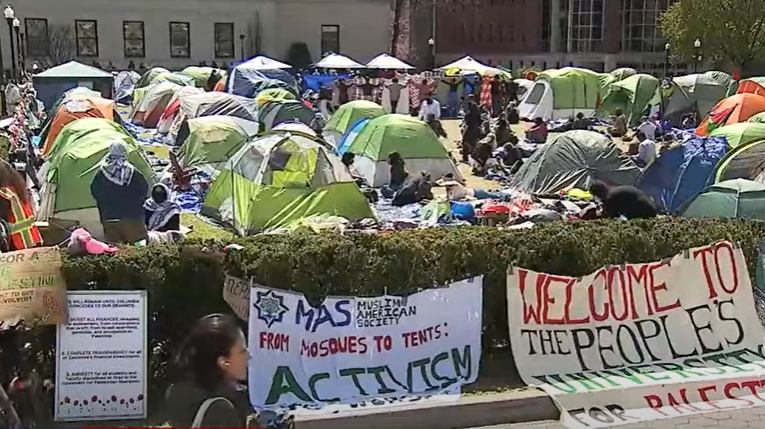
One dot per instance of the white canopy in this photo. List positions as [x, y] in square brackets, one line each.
[262, 62]
[385, 61]
[467, 64]
[337, 61]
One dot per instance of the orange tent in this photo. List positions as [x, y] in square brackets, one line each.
[732, 110]
[751, 86]
[76, 108]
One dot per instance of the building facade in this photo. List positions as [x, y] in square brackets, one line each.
[596, 34]
[178, 33]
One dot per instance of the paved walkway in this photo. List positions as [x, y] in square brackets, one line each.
[744, 419]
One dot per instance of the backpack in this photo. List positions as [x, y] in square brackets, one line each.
[200, 416]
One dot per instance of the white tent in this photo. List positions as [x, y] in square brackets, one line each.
[262, 62]
[385, 61]
[337, 61]
[467, 63]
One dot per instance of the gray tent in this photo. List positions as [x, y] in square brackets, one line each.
[573, 160]
[54, 82]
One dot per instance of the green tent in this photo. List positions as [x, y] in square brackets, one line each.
[279, 178]
[634, 95]
[575, 159]
[208, 142]
[740, 134]
[623, 73]
[746, 161]
[277, 94]
[201, 75]
[737, 198]
[66, 176]
[757, 118]
[176, 78]
[562, 93]
[349, 114]
[149, 76]
[413, 139]
[275, 112]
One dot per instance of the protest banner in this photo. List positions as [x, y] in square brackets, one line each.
[101, 359]
[32, 287]
[640, 342]
[236, 293]
[348, 350]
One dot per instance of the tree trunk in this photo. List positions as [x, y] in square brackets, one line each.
[398, 10]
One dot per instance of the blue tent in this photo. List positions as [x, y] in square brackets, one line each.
[350, 134]
[682, 172]
[249, 78]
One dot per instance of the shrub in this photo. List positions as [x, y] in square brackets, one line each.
[185, 282]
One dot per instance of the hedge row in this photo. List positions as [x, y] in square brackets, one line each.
[185, 282]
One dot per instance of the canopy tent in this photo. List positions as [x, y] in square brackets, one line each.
[348, 115]
[280, 178]
[337, 61]
[633, 95]
[276, 112]
[149, 76]
[695, 93]
[388, 62]
[732, 199]
[207, 143]
[73, 109]
[413, 139]
[623, 73]
[753, 85]
[124, 83]
[273, 94]
[54, 82]
[744, 162]
[575, 159]
[467, 65]
[682, 172]
[558, 94]
[66, 176]
[249, 78]
[741, 133]
[167, 119]
[732, 110]
[153, 102]
[212, 104]
[204, 77]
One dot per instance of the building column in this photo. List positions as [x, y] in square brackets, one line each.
[554, 26]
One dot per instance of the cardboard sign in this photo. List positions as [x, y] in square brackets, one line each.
[236, 293]
[32, 287]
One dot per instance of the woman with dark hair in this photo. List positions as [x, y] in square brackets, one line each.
[210, 363]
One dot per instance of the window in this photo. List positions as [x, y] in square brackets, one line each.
[640, 26]
[585, 28]
[224, 40]
[37, 37]
[133, 38]
[180, 43]
[330, 38]
[86, 33]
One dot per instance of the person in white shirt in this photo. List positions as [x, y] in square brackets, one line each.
[646, 151]
[430, 110]
[648, 128]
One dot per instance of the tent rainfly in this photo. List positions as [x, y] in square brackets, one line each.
[337, 61]
[262, 62]
[387, 62]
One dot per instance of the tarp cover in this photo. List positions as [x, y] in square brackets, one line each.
[249, 78]
[218, 103]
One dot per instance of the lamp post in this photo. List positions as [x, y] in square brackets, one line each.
[667, 48]
[19, 54]
[23, 49]
[10, 15]
[241, 45]
[696, 55]
[432, 59]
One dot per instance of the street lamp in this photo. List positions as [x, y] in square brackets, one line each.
[10, 15]
[432, 46]
[17, 30]
[241, 45]
[696, 55]
[23, 49]
[667, 48]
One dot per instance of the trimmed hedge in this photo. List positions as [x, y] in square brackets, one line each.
[185, 282]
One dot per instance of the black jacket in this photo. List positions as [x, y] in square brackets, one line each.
[183, 400]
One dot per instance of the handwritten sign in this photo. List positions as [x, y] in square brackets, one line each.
[349, 350]
[32, 287]
[236, 293]
[641, 342]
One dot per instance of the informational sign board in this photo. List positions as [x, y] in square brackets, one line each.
[640, 342]
[350, 350]
[32, 287]
[101, 357]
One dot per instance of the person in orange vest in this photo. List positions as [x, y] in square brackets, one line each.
[16, 211]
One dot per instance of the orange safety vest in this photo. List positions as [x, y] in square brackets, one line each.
[23, 233]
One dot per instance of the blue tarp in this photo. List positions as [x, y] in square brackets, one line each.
[247, 82]
[315, 81]
[682, 172]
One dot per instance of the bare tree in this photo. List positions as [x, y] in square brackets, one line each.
[61, 45]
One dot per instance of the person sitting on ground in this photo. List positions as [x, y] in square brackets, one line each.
[482, 153]
[580, 122]
[647, 127]
[318, 123]
[513, 117]
[537, 133]
[398, 175]
[646, 152]
[668, 142]
[415, 189]
[120, 191]
[162, 213]
[689, 121]
[623, 201]
[502, 131]
[618, 126]
[347, 160]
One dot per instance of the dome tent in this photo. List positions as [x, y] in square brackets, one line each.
[211, 104]
[72, 109]
[632, 95]
[575, 159]
[124, 83]
[152, 103]
[149, 76]
[623, 73]
[74, 158]
[279, 178]
[207, 143]
[733, 199]
[562, 93]
[413, 139]
[348, 115]
[732, 110]
[257, 74]
[741, 133]
[275, 112]
[694, 93]
[744, 162]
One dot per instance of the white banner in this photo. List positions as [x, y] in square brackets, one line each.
[348, 350]
[101, 359]
[640, 342]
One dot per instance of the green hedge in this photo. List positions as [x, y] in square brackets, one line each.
[185, 282]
